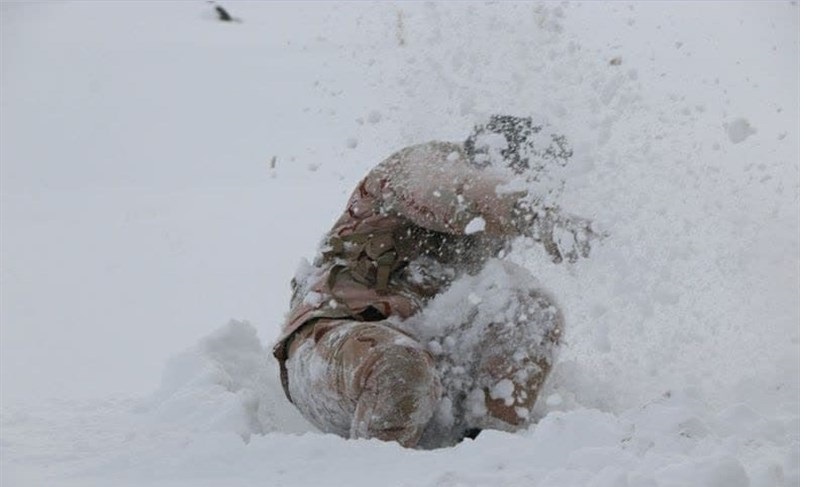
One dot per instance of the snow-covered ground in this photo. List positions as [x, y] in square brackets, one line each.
[164, 173]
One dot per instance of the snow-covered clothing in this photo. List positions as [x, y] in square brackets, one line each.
[407, 327]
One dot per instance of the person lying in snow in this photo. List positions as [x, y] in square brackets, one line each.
[410, 326]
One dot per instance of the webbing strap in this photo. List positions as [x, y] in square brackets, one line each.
[384, 266]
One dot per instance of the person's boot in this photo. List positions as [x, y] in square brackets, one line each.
[513, 390]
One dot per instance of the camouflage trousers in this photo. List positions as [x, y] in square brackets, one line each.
[475, 358]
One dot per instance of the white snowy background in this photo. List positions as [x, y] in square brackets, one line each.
[141, 214]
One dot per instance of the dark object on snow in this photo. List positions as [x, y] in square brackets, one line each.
[223, 14]
[472, 433]
[616, 61]
[520, 154]
[515, 130]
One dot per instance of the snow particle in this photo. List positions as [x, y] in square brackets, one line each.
[503, 390]
[313, 298]
[738, 130]
[475, 403]
[476, 225]
[351, 143]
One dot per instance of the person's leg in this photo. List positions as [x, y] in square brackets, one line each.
[494, 337]
[363, 380]
[514, 356]
[513, 362]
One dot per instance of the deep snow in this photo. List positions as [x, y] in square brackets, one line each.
[162, 172]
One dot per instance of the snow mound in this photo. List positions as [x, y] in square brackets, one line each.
[197, 435]
[227, 382]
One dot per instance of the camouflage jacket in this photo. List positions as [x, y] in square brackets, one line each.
[417, 220]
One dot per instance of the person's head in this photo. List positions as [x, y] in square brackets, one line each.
[518, 144]
[505, 139]
[535, 157]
